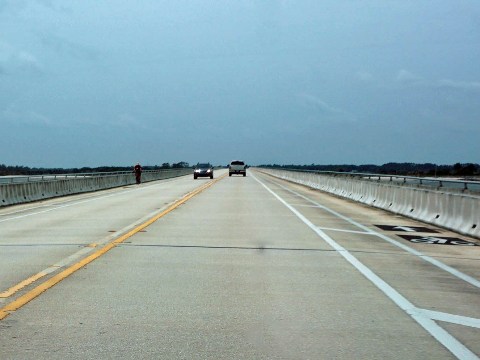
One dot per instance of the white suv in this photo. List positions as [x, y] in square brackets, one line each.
[237, 167]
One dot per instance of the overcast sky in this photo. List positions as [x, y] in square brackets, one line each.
[115, 82]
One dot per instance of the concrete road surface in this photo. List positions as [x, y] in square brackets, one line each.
[234, 268]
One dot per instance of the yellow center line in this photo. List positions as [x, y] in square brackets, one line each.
[32, 294]
[21, 285]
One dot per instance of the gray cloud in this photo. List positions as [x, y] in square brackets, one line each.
[406, 77]
[15, 59]
[326, 112]
[28, 61]
[69, 48]
[26, 117]
[461, 85]
[14, 6]
[364, 76]
[187, 73]
[409, 79]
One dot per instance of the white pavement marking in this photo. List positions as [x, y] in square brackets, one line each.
[447, 340]
[55, 207]
[89, 248]
[59, 207]
[404, 228]
[437, 263]
[303, 205]
[49, 270]
[450, 318]
[347, 231]
[62, 263]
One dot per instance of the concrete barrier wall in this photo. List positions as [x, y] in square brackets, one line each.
[455, 211]
[11, 194]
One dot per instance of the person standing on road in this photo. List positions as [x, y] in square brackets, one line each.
[137, 169]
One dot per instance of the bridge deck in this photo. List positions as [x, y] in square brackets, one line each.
[249, 267]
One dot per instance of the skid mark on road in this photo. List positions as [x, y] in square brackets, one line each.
[419, 315]
[47, 284]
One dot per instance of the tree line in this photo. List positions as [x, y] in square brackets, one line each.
[25, 170]
[410, 169]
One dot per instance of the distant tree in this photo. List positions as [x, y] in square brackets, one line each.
[427, 169]
[466, 169]
[181, 164]
[457, 169]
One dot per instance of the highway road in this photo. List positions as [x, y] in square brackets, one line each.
[231, 268]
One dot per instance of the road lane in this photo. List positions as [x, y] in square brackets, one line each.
[42, 237]
[233, 273]
[75, 262]
[423, 317]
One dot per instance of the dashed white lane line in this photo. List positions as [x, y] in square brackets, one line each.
[435, 262]
[442, 336]
[304, 205]
[346, 231]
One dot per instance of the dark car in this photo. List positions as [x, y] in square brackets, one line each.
[203, 170]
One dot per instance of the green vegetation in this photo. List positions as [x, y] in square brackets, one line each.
[410, 169]
[25, 170]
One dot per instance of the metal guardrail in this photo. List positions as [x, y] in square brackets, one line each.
[439, 183]
[22, 179]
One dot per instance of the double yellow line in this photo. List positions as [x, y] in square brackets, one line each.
[32, 294]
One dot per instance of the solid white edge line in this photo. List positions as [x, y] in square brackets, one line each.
[85, 250]
[68, 203]
[437, 263]
[442, 336]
